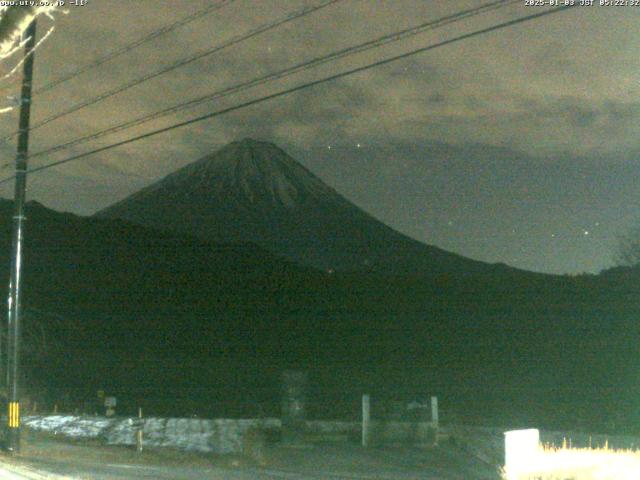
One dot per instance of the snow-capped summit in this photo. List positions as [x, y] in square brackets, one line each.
[252, 191]
[258, 171]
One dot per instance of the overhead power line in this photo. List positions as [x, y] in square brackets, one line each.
[300, 87]
[181, 63]
[368, 45]
[135, 44]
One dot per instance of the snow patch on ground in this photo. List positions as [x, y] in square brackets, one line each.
[218, 436]
[69, 425]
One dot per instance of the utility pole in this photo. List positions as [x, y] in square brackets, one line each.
[14, 312]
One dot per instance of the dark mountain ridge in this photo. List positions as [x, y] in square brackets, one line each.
[251, 191]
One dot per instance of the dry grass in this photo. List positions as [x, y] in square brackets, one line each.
[579, 464]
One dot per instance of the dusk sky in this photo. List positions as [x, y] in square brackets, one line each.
[519, 146]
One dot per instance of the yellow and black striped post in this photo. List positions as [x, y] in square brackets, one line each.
[14, 415]
[13, 432]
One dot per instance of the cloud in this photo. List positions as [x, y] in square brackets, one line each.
[558, 91]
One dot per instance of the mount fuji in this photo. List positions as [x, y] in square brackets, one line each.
[252, 191]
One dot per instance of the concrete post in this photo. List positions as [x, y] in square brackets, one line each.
[434, 412]
[139, 431]
[366, 419]
[435, 420]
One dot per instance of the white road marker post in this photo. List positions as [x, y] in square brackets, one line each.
[521, 448]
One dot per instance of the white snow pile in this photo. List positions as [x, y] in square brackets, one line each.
[69, 425]
[218, 436]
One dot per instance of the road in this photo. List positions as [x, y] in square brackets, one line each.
[52, 459]
[123, 471]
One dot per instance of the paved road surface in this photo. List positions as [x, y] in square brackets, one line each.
[115, 471]
[46, 458]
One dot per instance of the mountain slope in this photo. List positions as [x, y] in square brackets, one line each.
[251, 191]
[107, 302]
[180, 326]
